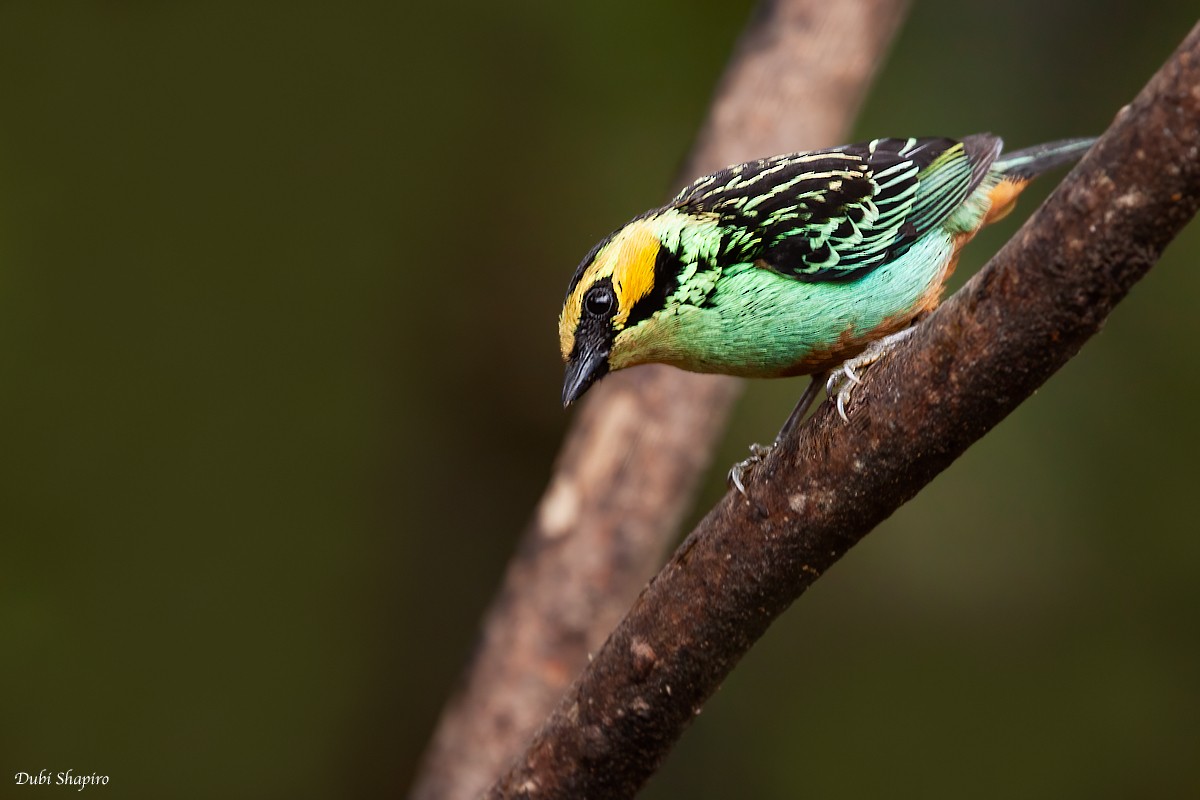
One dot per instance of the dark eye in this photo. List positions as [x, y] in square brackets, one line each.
[599, 302]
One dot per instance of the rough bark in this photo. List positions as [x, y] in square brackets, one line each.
[829, 483]
[633, 457]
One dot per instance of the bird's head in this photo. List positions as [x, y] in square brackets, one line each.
[606, 318]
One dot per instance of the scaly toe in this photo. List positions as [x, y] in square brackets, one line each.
[760, 451]
[844, 378]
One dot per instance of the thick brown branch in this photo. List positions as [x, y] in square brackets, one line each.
[827, 485]
[634, 455]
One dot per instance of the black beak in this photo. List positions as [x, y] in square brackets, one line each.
[583, 370]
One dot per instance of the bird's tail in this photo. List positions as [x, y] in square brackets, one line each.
[1024, 164]
[1012, 172]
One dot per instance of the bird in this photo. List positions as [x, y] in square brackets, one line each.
[811, 263]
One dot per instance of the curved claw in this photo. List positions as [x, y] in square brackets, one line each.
[841, 381]
[757, 453]
[835, 377]
[736, 472]
[735, 476]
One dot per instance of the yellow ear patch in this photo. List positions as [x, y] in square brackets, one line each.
[628, 260]
[633, 267]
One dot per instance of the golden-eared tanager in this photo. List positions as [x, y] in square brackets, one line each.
[793, 264]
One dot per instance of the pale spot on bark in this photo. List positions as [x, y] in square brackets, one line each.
[1131, 199]
[641, 650]
[560, 509]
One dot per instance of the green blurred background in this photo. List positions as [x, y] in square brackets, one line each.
[279, 388]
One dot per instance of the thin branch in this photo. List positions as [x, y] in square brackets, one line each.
[987, 349]
[633, 458]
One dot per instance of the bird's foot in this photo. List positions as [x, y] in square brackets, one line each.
[757, 453]
[844, 378]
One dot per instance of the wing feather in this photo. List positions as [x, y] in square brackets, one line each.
[836, 215]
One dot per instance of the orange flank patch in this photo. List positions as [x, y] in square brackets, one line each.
[1003, 198]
